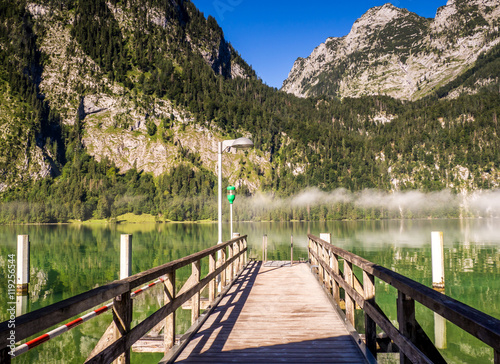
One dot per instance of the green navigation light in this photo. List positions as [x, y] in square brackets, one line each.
[231, 194]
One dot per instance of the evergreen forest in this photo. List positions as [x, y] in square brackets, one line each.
[370, 143]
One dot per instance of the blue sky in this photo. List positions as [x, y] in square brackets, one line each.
[271, 35]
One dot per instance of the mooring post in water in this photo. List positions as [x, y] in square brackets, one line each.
[23, 264]
[291, 250]
[437, 260]
[440, 331]
[21, 304]
[125, 256]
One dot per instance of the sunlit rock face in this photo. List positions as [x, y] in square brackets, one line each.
[394, 52]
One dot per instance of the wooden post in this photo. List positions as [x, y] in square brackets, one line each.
[230, 268]
[241, 247]
[349, 301]
[263, 248]
[291, 251]
[212, 286]
[440, 331]
[169, 295]
[21, 305]
[328, 238]
[497, 357]
[335, 285]
[309, 245]
[320, 267]
[122, 317]
[5, 357]
[266, 247]
[195, 303]
[125, 256]
[406, 320]
[23, 265]
[222, 282]
[437, 260]
[122, 308]
[370, 326]
[245, 257]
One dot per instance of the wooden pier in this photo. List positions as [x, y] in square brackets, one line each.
[274, 312]
[266, 312]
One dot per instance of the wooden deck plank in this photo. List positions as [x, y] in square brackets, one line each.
[273, 313]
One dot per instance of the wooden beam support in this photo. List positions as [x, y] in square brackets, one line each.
[195, 300]
[212, 286]
[336, 271]
[407, 323]
[5, 357]
[122, 317]
[125, 342]
[370, 326]
[230, 269]
[349, 300]
[475, 322]
[169, 296]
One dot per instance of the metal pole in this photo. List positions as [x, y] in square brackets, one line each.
[291, 250]
[231, 210]
[219, 188]
[220, 193]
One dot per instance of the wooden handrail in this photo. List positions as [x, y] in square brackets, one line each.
[484, 327]
[44, 318]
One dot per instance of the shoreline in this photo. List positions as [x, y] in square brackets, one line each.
[131, 219]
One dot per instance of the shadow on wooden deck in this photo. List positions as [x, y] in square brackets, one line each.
[224, 316]
[312, 351]
[259, 339]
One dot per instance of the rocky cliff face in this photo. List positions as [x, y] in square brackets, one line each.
[391, 51]
[114, 115]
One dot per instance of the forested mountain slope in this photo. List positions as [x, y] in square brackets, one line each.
[117, 106]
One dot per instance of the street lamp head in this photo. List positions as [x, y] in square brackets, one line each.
[242, 143]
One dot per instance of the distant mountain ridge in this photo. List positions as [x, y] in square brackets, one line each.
[394, 52]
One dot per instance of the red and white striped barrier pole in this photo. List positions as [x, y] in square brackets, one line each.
[21, 349]
[56, 332]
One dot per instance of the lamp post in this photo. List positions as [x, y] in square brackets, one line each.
[225, 146]
[231, 194]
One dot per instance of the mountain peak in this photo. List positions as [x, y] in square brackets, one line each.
[378, 16]
[392, 51]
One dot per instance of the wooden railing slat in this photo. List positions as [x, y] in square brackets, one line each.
[124, 343]
[484, 327]
[370, 325]
[404, 345]
[43, 318]
[34, 322]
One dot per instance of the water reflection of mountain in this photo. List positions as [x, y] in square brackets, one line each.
[67, 260]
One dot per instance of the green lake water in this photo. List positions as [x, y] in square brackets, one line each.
[69, 259]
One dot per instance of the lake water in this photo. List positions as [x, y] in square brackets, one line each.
[70, 259]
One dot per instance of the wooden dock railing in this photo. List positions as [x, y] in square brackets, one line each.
[414, 345]
[233, 259]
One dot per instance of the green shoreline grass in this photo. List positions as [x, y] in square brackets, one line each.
[130, 218]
